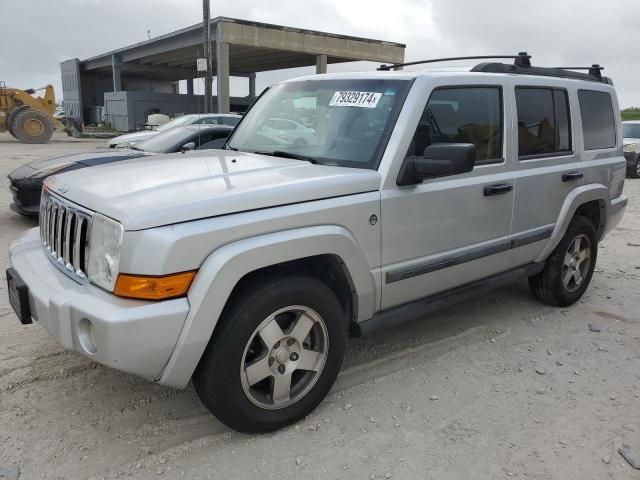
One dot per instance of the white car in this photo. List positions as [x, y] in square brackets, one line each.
[631, 134]
[130, 139]
[288, 132]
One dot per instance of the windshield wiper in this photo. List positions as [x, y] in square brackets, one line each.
[295, 156]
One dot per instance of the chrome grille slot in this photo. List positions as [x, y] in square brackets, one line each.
[65, 231]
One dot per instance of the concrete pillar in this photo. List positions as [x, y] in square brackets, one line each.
[189, 86]
[252, 87]
[321, 64]
[222, 71]
[116, 67]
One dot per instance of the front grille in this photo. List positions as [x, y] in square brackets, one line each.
[65, 230]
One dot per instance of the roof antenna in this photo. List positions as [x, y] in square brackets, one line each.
[523, 60]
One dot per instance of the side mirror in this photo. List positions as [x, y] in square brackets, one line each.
[439, 160]
[188, 146]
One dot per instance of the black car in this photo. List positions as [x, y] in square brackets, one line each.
[26, 181]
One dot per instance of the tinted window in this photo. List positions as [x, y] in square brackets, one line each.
[598, 123]
[208, 137]
[462, 115]
[543, 121]
[166, 142]
[210, 120]
[231, 121]
[217, 143]
[631, 130]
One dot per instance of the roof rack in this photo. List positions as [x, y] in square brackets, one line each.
[522, 59]
[521, 65]
[595, 69]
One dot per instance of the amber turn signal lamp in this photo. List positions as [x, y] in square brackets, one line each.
[154, 288]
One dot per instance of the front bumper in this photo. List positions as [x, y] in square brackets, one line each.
[26, 196]
[129, 335]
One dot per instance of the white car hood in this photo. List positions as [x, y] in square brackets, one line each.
[627, 141]
[134, 137]
[168, 189]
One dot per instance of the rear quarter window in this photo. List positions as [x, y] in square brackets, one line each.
[598, 121]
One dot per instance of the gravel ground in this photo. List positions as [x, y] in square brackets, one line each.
[499, 387]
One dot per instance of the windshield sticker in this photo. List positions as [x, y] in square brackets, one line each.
[355, 99]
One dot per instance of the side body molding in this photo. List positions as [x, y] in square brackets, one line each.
[222, 270]
[577, 197]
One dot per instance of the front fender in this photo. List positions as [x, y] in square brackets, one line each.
[577, 197]
[224, 268]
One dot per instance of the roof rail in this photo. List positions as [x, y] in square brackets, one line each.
[594, 70]
[521, 65]
[591, 76]
[522, 60]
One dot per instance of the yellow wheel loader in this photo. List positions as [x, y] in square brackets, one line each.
[27, 117]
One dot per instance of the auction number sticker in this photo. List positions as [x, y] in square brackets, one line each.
[355, 99]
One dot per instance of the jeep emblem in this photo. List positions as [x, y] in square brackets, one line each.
[63, 189]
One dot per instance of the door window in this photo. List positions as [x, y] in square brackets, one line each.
[543, 122]
[462, 115]
[598, 124]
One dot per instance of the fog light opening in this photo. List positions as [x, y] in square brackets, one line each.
[87, 336]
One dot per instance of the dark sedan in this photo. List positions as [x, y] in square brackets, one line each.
[26, 181]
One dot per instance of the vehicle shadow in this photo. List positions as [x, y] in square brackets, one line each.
[135, 418]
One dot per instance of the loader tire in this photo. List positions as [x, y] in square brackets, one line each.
[11, 118]
[32, 126]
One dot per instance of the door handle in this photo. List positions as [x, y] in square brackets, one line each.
[497, 189]
[569, 176]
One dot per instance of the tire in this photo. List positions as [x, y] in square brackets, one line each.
[635, 172]
[572, 260]
[11, 117]
[32, 126]
[244, 340]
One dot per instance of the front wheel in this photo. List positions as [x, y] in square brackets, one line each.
[569, 268]
[634, 172]
[274, 355]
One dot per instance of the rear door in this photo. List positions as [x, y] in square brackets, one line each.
[547, 162]
[450, 231]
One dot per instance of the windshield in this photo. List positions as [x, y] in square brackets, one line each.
[166, 142]
[177, 122]
[631, 130]
[332, 122]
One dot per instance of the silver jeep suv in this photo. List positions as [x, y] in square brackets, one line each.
[245, 269]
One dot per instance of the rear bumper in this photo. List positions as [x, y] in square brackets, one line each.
[129, 335]
[616, 212]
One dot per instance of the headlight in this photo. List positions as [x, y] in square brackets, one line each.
[104, 251]
[630, 147]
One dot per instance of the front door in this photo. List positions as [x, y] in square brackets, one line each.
[450, 231]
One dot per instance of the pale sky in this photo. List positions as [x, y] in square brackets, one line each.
[39, 34]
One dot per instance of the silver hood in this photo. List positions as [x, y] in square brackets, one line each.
[168, 189]
[132, 138]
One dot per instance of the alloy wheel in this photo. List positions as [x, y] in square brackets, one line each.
[284, 357]
[577, 261]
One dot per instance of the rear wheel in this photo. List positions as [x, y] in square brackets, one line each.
[568, 270]
[274, 355]
[32, 126]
